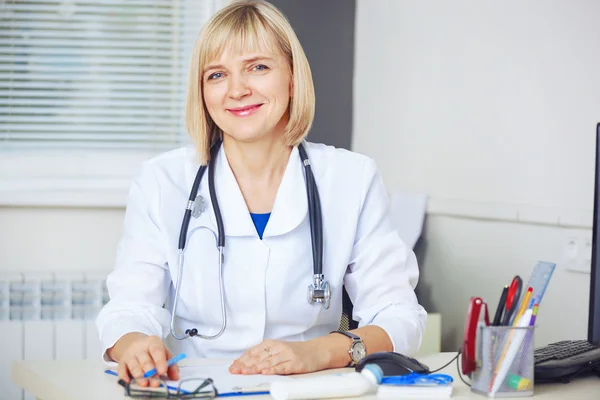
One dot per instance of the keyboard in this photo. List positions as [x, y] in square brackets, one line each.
[562, 350]
[566, 359]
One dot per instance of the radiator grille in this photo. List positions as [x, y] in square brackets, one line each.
[48, 316]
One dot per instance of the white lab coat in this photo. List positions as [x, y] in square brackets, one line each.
[266, 281]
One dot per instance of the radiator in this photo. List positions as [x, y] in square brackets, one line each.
[47, 316]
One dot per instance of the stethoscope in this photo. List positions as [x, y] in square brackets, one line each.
[318, 292]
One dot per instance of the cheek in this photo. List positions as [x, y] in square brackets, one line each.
[282, 95]
[212, 97]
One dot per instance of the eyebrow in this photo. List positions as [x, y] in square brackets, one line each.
[246, 61]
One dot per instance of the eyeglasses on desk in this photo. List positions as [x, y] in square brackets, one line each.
[192, 388]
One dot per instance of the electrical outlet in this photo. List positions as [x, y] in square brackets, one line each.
[578, 250]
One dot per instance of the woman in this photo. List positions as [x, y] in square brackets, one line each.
[251, 89]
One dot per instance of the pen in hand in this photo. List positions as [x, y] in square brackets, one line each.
[170, 363]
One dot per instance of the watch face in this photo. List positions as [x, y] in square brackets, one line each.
[358, 351]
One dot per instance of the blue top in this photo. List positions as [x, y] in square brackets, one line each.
[260, 222]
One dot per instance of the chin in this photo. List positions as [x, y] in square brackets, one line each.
[247, 135]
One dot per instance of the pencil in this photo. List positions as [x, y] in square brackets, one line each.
[524, 306]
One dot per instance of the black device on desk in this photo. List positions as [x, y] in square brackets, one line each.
[567, 359]
[393, 364]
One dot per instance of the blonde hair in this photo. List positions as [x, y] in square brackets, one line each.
[239, 27]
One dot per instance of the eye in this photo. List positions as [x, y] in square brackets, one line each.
[260, 67]
[214, 76]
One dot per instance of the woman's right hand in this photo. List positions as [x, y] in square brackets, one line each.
[137, 354]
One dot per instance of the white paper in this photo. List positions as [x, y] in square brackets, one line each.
[223, 380]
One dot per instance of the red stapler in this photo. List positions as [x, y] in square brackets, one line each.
[468, 360]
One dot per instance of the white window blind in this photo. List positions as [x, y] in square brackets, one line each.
[96, 73]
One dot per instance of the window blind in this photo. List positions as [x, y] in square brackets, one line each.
[96, 73]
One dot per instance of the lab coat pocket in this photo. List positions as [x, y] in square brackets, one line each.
[199, 294]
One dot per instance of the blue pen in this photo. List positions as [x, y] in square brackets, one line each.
[173, 388]
[171, 362]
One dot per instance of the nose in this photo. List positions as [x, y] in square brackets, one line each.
[238, 87]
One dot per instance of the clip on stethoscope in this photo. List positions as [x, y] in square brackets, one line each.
[318, 292]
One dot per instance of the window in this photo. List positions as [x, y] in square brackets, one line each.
[88, 89]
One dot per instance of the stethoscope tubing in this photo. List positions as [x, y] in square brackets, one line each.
[314, 211]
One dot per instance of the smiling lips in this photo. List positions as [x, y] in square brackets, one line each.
[245, 111]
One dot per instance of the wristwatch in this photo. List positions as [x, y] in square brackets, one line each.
[357, 350]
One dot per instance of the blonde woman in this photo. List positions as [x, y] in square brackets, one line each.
[278, 223]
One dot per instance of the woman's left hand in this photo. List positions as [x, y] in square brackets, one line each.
[274, 357]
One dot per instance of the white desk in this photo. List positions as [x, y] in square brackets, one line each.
[75, 380]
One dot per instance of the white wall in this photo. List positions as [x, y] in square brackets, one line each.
[490, 108]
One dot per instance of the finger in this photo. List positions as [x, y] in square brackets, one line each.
[264, 360]
[235, 367]
[284, 368]
[247, 360]
[146, 361]
[136, 371]
[250, 356]
[145, 364]
[173, 372]
[270, 362]
[134, 367]
[159, 357]
[154, 382]
[123, 371]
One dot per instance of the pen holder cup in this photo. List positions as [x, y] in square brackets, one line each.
[505, 363]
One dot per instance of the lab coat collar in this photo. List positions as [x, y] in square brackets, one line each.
[289, 210]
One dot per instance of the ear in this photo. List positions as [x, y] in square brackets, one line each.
[291, 87]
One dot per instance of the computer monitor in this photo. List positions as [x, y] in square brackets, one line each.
[566, 359]
[594, 312]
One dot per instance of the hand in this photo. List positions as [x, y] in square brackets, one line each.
[137, 354]
[282, 358]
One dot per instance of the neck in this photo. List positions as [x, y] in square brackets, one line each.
[260, 161]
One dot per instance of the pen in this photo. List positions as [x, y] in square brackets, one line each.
[170, 363]
[524, 306]
[501, 303]
[512, 300]
[534, 314]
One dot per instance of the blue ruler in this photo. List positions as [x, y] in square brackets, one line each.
[539, 280]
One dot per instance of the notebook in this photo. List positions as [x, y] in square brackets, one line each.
[224, 381]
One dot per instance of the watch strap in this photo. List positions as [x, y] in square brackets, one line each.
[355, 339]
[348, 334]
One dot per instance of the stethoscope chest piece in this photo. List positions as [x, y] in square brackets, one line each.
[319, 291]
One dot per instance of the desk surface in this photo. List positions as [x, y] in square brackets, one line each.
[67, 380]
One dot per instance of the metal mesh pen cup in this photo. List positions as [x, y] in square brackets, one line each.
[505, 363]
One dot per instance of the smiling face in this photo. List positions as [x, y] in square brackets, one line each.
[247, 95]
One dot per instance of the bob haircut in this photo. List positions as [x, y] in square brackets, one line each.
[248, 26]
